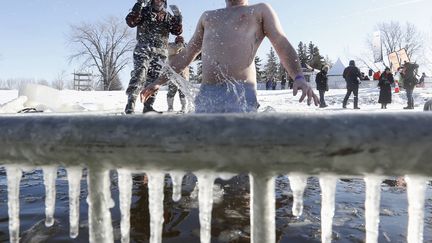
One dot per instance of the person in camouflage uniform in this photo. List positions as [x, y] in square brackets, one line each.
[174, 48]
[154, 24]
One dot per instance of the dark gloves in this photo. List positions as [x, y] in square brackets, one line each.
[134, 17]
[176, 25]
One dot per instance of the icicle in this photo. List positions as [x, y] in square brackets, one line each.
[74, 175]
[205, 198]
[328, 191]
[100, 202]
[263, 213]
[156, 197]
[372, 206]
[177, 179]
[125, 188]
[416, 188]
[298, 183]
[50, 176]
[14, 175]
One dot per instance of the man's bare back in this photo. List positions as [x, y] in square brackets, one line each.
[228, 40]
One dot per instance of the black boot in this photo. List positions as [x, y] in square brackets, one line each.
[148, 106]
[356, 104]
[130, 106]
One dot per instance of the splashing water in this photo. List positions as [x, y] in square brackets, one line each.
[50, 175]
[184, 85]
[298, 183]
[372, 206]
[74, 175]
[328, 191]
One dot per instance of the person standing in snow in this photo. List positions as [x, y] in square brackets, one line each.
[352, 75]
[321, 80]
[154, 24]
[385, 82]
[409, 82]
[174, 49]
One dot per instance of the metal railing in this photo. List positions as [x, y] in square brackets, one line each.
[354, 144]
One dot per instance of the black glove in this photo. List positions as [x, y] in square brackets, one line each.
[137, 7]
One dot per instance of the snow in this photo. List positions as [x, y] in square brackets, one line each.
[96, 102]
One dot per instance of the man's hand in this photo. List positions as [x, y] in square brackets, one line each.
[148, 91]
[306, 91]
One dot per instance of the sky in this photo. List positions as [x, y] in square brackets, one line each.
[33, 34]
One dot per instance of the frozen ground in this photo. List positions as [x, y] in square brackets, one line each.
[270, 101]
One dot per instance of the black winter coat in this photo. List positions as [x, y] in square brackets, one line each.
[321, 80]
[352, 75]
[385, 82]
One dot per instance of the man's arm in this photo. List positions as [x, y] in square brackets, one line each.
[180, 61]
[134, 18]
[286, 52]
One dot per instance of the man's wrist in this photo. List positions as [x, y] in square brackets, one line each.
[299, 77]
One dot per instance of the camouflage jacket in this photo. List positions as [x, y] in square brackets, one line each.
[152, 32]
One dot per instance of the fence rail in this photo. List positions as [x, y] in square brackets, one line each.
[354, 144]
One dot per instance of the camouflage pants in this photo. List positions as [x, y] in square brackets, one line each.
[147, 67]
[172, 90]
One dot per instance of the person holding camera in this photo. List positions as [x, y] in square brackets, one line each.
[154, 25]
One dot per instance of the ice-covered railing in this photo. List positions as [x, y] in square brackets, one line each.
[327, 146]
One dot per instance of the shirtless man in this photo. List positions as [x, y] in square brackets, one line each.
[228, 39]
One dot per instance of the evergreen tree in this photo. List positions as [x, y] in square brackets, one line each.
[259, 72]
[271, 67]
[302, 54]
[315, 60]
[281, 72]
[199, 71]
[191, 73]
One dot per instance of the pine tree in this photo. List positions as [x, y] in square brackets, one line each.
[302, 54]
[259, 72]
[199, 72]
[281, 72]
[271, 67]
[315, 60]
[191, 73]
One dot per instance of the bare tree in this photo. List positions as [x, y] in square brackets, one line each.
[104, 46]
[60, 81]
[395, 37]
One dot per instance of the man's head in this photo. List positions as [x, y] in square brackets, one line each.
[352, 63]
[179, 40]
[325, 68]
[387, 70]
[159, 5]
[236, 2]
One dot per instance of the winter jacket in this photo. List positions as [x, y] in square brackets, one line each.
[150, 30]
[385, 82]
[321, 80]
[352, 75]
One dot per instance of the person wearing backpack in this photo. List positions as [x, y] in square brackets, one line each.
[408, 74]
